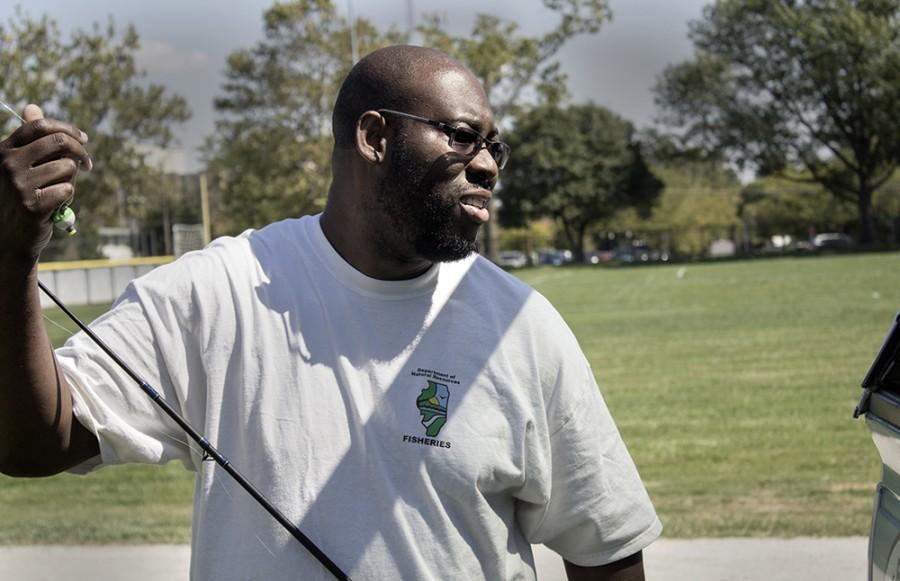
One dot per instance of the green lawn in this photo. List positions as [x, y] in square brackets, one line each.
[732, 383]
[119, 504]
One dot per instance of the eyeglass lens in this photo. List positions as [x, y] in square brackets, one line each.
[468, 141]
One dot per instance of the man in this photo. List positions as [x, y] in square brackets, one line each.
[418, 412]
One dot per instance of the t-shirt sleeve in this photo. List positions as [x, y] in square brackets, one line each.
[597, 510]
[147, 332]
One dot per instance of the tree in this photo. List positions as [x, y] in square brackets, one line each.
[886, 206]
[273, 137]
[513, 68]
[775, 205]
[697, 206]
[578, 165]
[91, 80]
[805, 89]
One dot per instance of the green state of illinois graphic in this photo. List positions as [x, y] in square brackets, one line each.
[432, 404]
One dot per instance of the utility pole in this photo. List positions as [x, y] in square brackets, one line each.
[410, 20]
[204, 210]
[354, 51]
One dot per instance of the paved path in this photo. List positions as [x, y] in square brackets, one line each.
[666, 560]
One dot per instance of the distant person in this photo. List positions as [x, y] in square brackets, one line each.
[417, 411]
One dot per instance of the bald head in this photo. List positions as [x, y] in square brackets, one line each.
[396, 77]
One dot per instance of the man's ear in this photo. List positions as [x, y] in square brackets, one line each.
[370, 138]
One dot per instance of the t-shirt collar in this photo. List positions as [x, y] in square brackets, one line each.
[356, 280]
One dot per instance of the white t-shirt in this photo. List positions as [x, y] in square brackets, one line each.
[430, 428]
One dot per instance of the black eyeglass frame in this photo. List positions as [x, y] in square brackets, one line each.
[499, 150]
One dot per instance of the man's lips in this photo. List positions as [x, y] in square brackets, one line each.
[475, 206]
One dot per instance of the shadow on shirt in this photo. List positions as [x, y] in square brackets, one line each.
[420, 450]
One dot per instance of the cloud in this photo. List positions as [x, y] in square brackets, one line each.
[161, 57]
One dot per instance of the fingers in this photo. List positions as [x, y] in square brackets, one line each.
[56, 171]
[39, 161]
[69, 141]
[46, 146]
[32, 113]
[38, 165]
[46, 200]
[32, 130]
[55, 146]
[45, 187]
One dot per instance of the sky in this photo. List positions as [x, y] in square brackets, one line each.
[185, 43]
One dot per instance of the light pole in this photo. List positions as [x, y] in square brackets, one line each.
[354, 54]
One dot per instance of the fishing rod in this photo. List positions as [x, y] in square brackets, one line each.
[64, 219]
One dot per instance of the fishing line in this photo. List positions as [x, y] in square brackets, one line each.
[217, 481]
[69, 332]
[209, 451]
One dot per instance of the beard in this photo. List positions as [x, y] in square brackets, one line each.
[423, 211]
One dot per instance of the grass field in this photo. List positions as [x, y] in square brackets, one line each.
[733, 385]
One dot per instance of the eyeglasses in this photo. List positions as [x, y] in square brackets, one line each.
[462, 139]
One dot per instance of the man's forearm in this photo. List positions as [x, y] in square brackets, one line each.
[38, 435]
[628, 569]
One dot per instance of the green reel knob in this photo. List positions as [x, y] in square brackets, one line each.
[64, 219]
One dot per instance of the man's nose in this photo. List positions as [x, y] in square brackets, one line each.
[483, 168]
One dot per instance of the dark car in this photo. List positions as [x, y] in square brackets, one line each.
[880, 404]
[638, 254]
[553, 256]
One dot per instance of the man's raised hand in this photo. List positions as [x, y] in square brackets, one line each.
[37, 165]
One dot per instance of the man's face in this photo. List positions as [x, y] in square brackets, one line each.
[432, 195]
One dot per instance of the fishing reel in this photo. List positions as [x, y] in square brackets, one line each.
[64, 219]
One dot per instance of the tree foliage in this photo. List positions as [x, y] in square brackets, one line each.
[91, 80]
[577, 165]
[886, 203]
[533, 236]
[797, 88]
[513, 67]
[774, 205]
[273, 136]
[273, 144]
[697, 206]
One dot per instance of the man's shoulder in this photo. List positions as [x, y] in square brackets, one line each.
[243, 253]
[227, 258]
[290, 232]
[481, 271]
[499, 291]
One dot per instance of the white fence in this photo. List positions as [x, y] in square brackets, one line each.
[92, 282]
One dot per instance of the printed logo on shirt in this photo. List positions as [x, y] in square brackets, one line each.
[432, 403]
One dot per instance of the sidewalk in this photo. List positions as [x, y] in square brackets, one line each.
[842, 559]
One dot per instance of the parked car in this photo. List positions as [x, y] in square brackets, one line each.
[512, 259]
[722, 248]
[832, 241]
[553, 256]
[638, 254]
[880, 403]
[598, 256]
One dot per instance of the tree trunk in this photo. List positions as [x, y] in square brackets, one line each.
[575, 237]
[578, 247]
[866, 227]
[567, 230]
